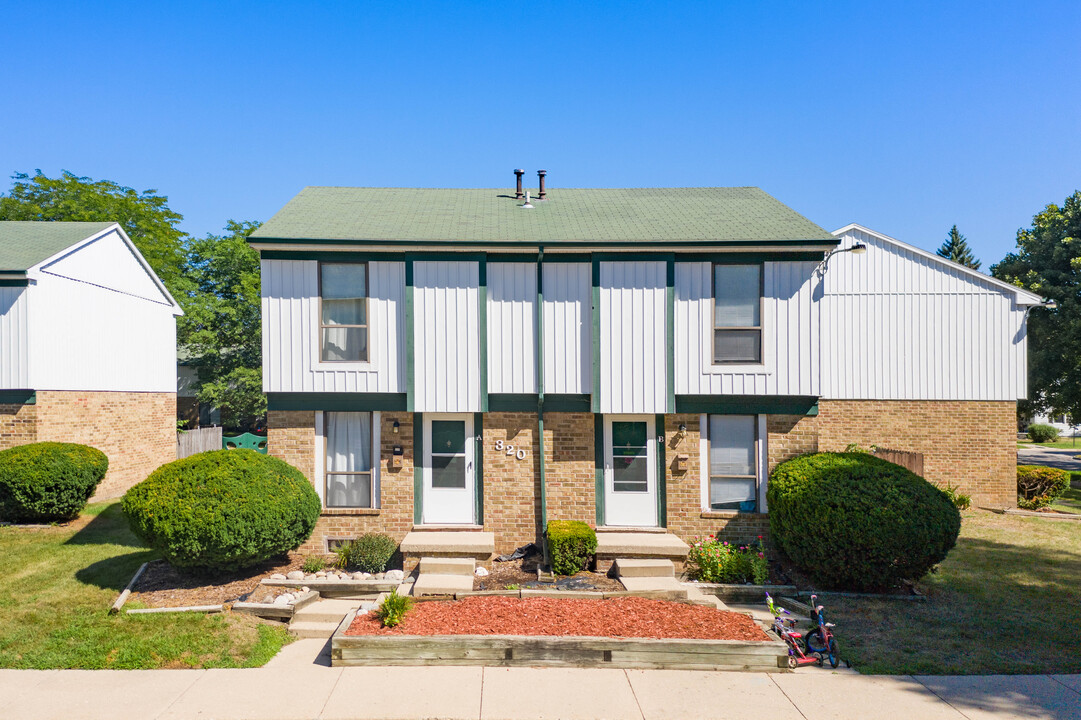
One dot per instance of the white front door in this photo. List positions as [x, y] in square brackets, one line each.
[630, 471]
[448, 470]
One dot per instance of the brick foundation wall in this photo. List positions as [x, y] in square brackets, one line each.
[511, 486]
[137, 431]
[18, 425]
[971, 444]
[570, 467]
[291, 437]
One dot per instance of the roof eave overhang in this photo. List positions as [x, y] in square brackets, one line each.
[528, 247]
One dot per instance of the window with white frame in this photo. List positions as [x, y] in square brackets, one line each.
[733, 469]
[737, 314]
[347, 472]
[343, 312]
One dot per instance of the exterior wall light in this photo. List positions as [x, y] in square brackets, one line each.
[395, 427]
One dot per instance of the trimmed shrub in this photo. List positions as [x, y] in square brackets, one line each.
[1039, 486]
[1042, 433]
[392, 610]
[854, 521]
[571, 545]
[48, 481]
[223, 510]
[371, 552]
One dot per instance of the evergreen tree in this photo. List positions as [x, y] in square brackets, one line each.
[956, 248]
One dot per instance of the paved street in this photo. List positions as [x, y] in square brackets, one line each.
[293, 686]
[1058, 457]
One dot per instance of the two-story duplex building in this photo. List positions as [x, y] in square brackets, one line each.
[633, 358]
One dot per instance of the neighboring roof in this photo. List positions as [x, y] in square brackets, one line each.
[1024, 297]
[569, 216]
[25, 243]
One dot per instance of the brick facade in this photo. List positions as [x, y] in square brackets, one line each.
[137, 431]
[570, 467]
[511, 485]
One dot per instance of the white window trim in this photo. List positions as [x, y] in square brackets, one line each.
[761, 461]
[321, 455]
[316, 335]
[767, 307]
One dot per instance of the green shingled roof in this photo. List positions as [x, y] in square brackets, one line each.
[23, 244]
[569, 216]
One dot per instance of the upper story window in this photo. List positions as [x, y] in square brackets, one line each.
[737, 314]
[343, 315]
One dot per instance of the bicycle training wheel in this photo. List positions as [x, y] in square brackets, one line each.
[834, 654]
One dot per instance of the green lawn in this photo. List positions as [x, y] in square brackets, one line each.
[1006, 600]
[56, 588]
[1070, 443]
[1069, 502]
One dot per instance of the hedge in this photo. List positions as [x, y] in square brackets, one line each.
[1039, 486]
[571, 545]
[371, 552]
[854, 521]
[1042, 433]
[48, 481]
[223, 510]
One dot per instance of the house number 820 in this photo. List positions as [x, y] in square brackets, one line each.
[510, 449]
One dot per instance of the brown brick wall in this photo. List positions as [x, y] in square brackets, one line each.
[137, 431]
[18, 425]
[291, 437]
[971, 444]
[511, 486]
[570, 467]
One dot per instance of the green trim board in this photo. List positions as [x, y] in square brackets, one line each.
[670, 334]
[530, 402]
[598, 462]
[595, 314]
[531, 257]
[478, 463]
[14, 282]
[482, 331]
[418, 460]
[18, 397]
[662, 476]
[748, 404]
[336, 402]
[410, 352]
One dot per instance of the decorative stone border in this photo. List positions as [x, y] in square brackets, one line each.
[550, 651]
[735, 592]
[274, 611]
[340, 588]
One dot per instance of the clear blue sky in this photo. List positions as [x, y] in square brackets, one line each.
[905, 117]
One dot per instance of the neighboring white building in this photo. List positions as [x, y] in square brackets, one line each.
[87, 346]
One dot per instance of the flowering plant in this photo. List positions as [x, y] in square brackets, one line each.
[713, 560]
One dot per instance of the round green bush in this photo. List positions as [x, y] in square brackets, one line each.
[854, 521]
[1039, 486]
[1042, 433]
[223, 510]
[48, 481]
[371, 552]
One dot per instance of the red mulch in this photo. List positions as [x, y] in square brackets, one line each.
[615, 617]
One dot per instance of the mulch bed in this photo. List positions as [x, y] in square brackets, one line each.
[162, 585]
[616, 617]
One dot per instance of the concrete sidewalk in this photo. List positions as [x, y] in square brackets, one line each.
[292, 686]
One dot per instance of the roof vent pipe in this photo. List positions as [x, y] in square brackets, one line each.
[542, 195]
[527, 205]
[518, 188]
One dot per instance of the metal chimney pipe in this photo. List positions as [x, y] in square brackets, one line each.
[518, 189]
[542, 195]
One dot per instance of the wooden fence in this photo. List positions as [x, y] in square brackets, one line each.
[911, 460]
[190, 442]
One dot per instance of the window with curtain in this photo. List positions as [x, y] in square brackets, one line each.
[733, 472]
[343, 320]
[348, 468]
[737, 314]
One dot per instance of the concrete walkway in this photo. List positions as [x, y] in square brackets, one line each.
[292, 686]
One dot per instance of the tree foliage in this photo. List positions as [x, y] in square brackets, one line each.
[956, 248]
[1047, 261]
[145, 216]
[221, 328]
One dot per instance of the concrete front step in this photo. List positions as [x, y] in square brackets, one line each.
[640, 545]
[314, 629]
[419, 544]
[644, 568]
[447, 566]
[325, 611]
[439, 584]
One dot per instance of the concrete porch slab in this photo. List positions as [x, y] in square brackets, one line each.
[449, 543]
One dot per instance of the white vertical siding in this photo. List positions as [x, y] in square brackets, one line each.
[14, 340]
[291, 331]
[568, 328]
[898, 325]
[790, 338]
[632, 337]
[446, 326]
[108, 262]
[512, 323]
[86, 337]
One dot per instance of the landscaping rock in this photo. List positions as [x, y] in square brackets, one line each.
[277, 576]
[269, 597]
[480, 572]
[283, 600]
[392, 576]
[380, 576]
[361, 576]
[295, 575]
[310, 577]
[321, 574]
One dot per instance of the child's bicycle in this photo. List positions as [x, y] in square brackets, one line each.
[821, 640]
[785, 628]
